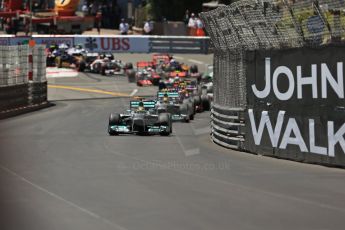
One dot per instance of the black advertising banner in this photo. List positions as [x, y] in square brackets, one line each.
[296, 106]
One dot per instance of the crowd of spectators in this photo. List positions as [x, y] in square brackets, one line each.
[194, 24]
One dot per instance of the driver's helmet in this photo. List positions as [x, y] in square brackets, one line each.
[141, 106]
[165, 98]
[79, 46]
[101, 56]
[106, 59]
[63, 46]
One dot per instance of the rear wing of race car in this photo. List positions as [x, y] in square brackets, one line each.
[144, 64]
[147, 104]
[92, 54]
[170, 94]
[161, 58]
[178, 74]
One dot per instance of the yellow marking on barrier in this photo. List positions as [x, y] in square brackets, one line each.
[89, 90]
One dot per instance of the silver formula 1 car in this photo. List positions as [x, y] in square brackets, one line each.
[142, 118]
[171, 102]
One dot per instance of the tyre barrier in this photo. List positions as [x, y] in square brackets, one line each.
[228, 127]
[37, 92]
[14, 96]
[19, 99]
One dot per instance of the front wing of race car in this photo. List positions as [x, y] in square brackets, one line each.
[149, 129]
[176, 113]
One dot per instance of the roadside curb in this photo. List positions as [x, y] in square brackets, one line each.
[23, 110]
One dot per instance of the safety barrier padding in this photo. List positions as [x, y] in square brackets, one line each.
[38, 92]
[13, 96]
[228, 126]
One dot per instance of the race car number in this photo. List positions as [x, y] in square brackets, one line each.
[62, 2]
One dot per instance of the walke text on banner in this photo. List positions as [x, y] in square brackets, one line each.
[296, 105]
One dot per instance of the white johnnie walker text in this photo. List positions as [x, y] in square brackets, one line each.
[327, 78]
[292, 134]
[279, 136]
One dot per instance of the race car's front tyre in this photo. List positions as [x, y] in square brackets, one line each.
[112, 132]
[114, 119]
[81, 66]
[191, 117]
[165, 119]
[206, 104]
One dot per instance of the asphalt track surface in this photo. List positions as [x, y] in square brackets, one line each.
[60, 170]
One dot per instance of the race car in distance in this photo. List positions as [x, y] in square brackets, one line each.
[141, 119]
[67, 57]
[159, 59]
[145, 71]
[143, 78]
[170, 102]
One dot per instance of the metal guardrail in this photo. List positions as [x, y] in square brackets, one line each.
[178, 44]
[120, 43]
[228, 126]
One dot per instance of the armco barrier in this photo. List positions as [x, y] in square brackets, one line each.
[228, 126]
[120, 43]
[178, 44]
[279, 78]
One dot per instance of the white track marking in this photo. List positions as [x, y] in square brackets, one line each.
[133, 92]
[178, 57]
[90, 213]
[54, 72]
[201, 131]
[187, 152]
[229, 183]
[196, 61]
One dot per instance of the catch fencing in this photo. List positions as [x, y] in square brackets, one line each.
[23, 81]
[244, 36]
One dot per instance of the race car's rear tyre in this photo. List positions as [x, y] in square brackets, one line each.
[197, 104]
[165, 119]
[197, 100]
[206, 104]
[97, 68]
[184, 110]
[58, 62]
[81, 66]
[103, 71]
[194, 69]
[131, 76]
[129, 65]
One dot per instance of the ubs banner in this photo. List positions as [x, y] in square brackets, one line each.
[296, 106]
